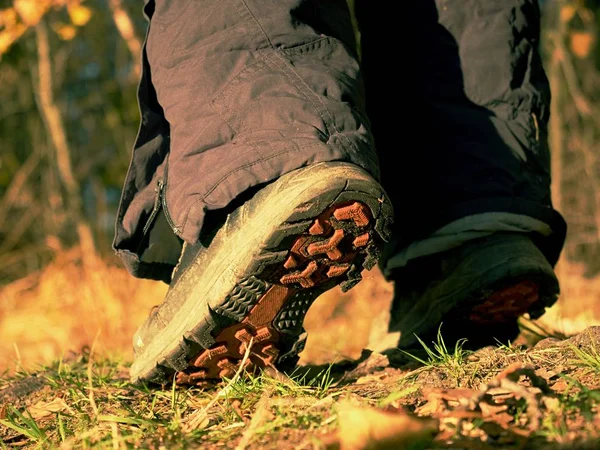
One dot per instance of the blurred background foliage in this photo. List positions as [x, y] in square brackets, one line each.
[68, 118]
[69, 71]
[572, 57]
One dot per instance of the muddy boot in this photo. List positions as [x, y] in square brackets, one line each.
[476, 291]
[311, 230]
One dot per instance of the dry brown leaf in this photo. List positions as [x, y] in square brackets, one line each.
[515, 371]
[370, 379]
[497, 413]
[375, 362]
[44, 409]
[489, 410]
[581, 43]
[456, 408]
[367, 428]
[466, 443]
[198, 420]
[262, 414]
[550, 375]
[277, 375]
[507, 438]
[441, 400]
[560, 386]
[236, 405]
[552, 404]
[435, 406]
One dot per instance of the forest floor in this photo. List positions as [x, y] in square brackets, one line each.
[539, 392]
[542, 396]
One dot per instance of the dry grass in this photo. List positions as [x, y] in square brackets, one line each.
[86, 400]
[579, 305]
[67, 306]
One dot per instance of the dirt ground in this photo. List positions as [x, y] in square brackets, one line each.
[65, 351]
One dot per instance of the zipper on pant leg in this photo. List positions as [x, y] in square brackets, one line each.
[163, 199]
[156, 208]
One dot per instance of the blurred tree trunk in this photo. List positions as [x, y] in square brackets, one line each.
[56, 130]
[127, 30]
[556, 126]
[570, 36]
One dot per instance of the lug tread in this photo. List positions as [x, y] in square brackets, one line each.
[302, 260]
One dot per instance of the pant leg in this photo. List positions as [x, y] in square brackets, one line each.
[250, 90]
[139, 204]
[463, 139]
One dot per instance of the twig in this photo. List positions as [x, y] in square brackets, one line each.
[50, 112]
[18, 228]
[258, 418]
[196, 418]
[16, 185]
[19, 361]
[56, 130]
[89, 375]
[585, 107]
[10, 37]
[508, 379]
[115, 435]
[126, 29]
[557, 139]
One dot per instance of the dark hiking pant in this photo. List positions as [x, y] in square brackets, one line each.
[448, 108]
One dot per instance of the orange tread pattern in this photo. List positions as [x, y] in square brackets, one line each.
[325, 252]
[506, 304]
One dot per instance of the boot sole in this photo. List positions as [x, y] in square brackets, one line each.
[308, 232]
[494, 313]
[506, 304]
[488, 308]
[490, 316]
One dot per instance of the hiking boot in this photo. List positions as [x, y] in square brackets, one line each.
[476, 292]
[311, 230]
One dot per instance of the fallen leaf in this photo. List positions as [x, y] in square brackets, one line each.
[44, 409]
[434, 406]
[367, 428]
[550, 375]
[236, 405]
[262, 414]
[552, 404]
[497, 413]
[198, 420]
[370, 379]
[324, 403]
[441, 400]
[500, 435]
[560, 386]
[374, 362]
